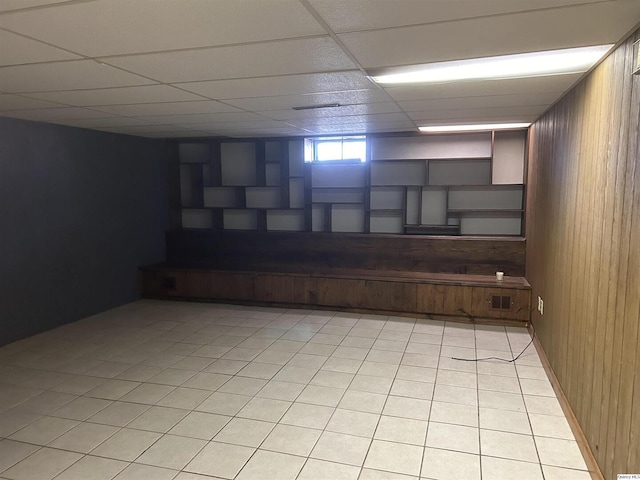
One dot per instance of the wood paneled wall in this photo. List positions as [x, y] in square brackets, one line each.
[583, 254]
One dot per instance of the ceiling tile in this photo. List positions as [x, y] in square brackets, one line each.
[307, 55]
[592, 24]
[280, 85]
[119, 96]
[381, 118]
[155, 25]
[552, 83]
[102, 122]
[142, 129]
[71, 75]
[272, 132]
[237, 126]
[362, 109]
[179, 134]
[249, 125]
[526, 99]
[259, 104]
[355, 15]
[356, 128]
[17, 102]
[51, 114]
[168, 108]
[16, 50]
[8, 5]
[220, 118]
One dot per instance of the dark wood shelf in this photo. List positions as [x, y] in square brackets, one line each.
[339, 188]
[386, 210]
[484, 210]
[493, 186]
[239, 186]
[337, 203]
[402, 185]
[400, 160]
[432, 229]
[288, 209]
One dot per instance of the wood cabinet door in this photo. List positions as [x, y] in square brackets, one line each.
[391, 296]
[232, 286]
[520, 304]
[487, 302]
[274, 288]
[430, 298]
[458, 300]
[195, 284]
[341, 292]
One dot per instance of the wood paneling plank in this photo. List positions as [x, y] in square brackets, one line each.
[341, 293]
[521, 309]
[391, 296]
[583, 253]
[458, 301]
[625, 225]
[629, 346]
[430, 298]
[588, 355]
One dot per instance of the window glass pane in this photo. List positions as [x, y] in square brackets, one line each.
[336, 148]
[355, 150]
[329, 151]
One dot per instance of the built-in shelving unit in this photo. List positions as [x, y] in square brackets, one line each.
[456, 184]
[246, 185]
[468, 184]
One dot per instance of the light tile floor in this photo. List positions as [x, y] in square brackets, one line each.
[169, 390]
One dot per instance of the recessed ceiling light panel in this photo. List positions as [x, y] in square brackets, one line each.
[552, 62]
[473, 128]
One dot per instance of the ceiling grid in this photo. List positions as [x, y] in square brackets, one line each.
[236, 68]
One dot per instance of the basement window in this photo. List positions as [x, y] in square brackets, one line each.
[352, 149]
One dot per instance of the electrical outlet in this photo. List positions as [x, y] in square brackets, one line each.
[540, 306]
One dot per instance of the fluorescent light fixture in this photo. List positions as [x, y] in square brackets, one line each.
[315, 107]
[552, 62]
[473, 128]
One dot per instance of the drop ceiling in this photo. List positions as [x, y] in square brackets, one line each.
[191, 68]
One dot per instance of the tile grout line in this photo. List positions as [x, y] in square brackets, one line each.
[435, 382]
[526, 411]
[324, 429]
[239, 324]
[478, 399]
[383, 406]
[275, 424]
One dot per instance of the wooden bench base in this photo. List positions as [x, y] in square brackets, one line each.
[470, 296]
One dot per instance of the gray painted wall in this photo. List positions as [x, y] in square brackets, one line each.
[80, 210]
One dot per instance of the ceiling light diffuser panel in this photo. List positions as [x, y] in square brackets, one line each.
[473, 128]
[552, 62]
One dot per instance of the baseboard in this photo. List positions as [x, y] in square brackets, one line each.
[589, 459]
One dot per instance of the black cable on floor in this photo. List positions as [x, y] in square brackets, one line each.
[498, 358]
